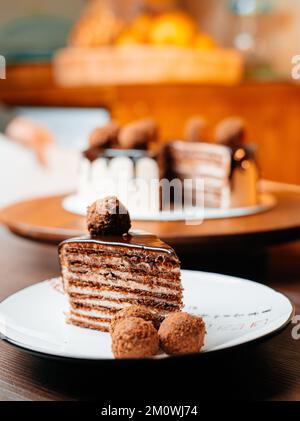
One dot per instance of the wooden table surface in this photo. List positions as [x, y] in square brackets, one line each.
[268, 370]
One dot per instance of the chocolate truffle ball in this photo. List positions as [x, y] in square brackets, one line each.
[138, 135]
[135, 311]
[108, 216]
[230, 132]
[104, 137]
[194, 129]
[181, 333]
[134, 338]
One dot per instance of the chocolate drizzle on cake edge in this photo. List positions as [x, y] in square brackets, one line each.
[133, 239]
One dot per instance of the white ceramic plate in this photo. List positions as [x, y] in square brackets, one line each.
[78, 205]
[236, 311]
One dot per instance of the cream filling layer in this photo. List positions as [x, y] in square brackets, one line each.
[111, 295]
[114, 304]
[91, 322]
[117, 283]
[102, 276]
[92, 313]
[101, 315]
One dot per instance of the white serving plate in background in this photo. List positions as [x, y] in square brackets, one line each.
[78, 205]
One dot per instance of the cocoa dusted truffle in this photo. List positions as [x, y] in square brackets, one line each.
[108, 216]
[138, 135]
[104, 137]
[230, 132]
[135, 311]
[194, 129]
[181, 333]
[134, 338]
[92, 153]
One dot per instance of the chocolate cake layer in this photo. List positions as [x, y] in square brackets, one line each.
[85, 291]
[104, 275]
[120, 279]
[119, 302]
[87, 322]
[124, 262]
[209, 163]
[101, 267]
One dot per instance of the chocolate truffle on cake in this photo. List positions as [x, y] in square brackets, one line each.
[181, 333]
[194, 129]
[104, 137]
[141, 312]
[134, 338]
[108, 216]
[230, 132]
[138, 135]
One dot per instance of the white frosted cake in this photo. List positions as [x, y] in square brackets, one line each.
[133, 175]
[119, 162]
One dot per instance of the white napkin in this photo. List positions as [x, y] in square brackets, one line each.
[22, 177]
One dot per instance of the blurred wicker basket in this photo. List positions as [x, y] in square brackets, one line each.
[117, 65]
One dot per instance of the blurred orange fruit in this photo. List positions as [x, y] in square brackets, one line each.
[204, 42]
[141, 26]
[173, 28]
[128, 37]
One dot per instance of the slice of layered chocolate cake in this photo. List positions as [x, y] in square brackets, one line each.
[227, 167]
[112, 269]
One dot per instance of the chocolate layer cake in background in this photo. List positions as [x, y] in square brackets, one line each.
[227, 167]
[113, 269]
[203, 161]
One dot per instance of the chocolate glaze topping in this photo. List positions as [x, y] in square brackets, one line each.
[94, 153]
[134, 239]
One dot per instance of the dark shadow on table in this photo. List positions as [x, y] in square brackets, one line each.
[251, 265]
[249, 373]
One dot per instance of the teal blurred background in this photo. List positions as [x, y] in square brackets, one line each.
[32, 30]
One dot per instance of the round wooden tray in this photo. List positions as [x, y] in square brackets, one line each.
[45, 220]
